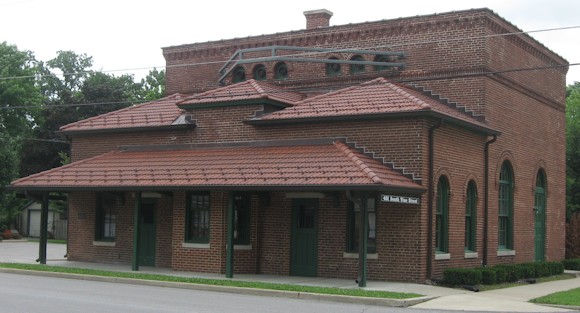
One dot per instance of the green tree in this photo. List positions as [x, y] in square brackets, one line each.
[154, 85]
[573, 148]
[20, 99]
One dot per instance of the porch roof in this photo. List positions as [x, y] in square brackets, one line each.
[323, 165]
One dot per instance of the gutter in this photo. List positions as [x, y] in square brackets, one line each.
[430, 200]
[486, 199]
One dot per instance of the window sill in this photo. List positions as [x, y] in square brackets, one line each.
[471, 255]
[242, 247]
[442, 256]
[195, 245]
[351, 255]
[506, 252]
[104, 243]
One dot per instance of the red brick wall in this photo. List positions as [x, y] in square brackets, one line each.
[527, 107]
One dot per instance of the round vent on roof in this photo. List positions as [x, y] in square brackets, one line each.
[357, 68]
[259, 72]
[239, 74]
[382, 58]
[332, 69]
[281, 71]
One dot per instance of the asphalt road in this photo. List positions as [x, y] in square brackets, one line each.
[26, 294]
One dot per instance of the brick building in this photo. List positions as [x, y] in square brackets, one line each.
[390, 149]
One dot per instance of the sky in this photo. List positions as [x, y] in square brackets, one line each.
[126, 36]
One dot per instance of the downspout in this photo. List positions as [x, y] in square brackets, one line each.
[486, 199]
[430, 200]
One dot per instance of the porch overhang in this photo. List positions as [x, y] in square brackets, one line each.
[321, 165]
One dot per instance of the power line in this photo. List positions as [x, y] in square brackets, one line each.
[38, 76]
[401, 80]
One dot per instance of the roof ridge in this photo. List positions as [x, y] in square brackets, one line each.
[342, 147]
[258, 87]
[88, 120]
[23, 179]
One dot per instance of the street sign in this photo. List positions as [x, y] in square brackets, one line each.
[399, 199]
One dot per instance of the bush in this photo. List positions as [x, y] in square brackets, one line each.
[462, 276]
[488, 275]
[556, 268]
[526, 270]
[500, 274]
[511, 272]
[572, 264]
[542, 269]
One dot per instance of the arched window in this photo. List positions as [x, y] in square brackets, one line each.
[357, 68]
[506, 207]
[441, 216]
[239, 74]
[259, 72]
[281, 71]
[470, 216]
[381, 58]
[333, 69]
[540, 216]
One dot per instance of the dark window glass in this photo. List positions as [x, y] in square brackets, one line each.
[354, 217]
[470, 216]
[259, 72]
[505, 207]
[333, 69]
[357, 68]
[105, 217]
[281, 71]
[242, 207]
[239, 74]
[197, 218]
[441, 219]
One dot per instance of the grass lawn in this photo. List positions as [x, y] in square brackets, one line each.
[218, 282]
[570, 297]
[49, 240]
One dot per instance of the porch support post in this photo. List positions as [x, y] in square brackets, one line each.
[363, 241]
[43, 229]
[136, 232]
[230, 238]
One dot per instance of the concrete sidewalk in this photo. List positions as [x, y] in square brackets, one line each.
[513, 299]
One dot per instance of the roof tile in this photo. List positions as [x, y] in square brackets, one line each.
[320, 165]
[160, 112]
[244, 91]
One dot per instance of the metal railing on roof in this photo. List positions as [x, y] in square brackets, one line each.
[238, 57]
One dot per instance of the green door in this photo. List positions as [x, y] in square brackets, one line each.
[304, 245]
[147, 234]
[540, 222]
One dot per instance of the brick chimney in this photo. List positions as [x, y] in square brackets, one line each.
[317, 18]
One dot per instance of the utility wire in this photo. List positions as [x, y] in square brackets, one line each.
[38, 76]
[233, 94]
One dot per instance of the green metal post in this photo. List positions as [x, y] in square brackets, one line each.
[230, 238]
[363, 241]
[136, 233]
[43, 229]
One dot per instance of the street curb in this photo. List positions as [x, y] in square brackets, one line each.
[238, 290]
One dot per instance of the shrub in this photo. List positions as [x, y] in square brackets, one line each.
[511, 272]
[526, 270]
[573, 236]
[488, 276]
[556, 268]
[542, 269]
[572, 264]
[462, 276]
[500, 274]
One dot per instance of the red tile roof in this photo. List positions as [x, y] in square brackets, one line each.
[331, 166]
[378, 96]
[243, 91]
[160, 112]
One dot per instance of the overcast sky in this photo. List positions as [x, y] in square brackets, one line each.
[129, 34]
